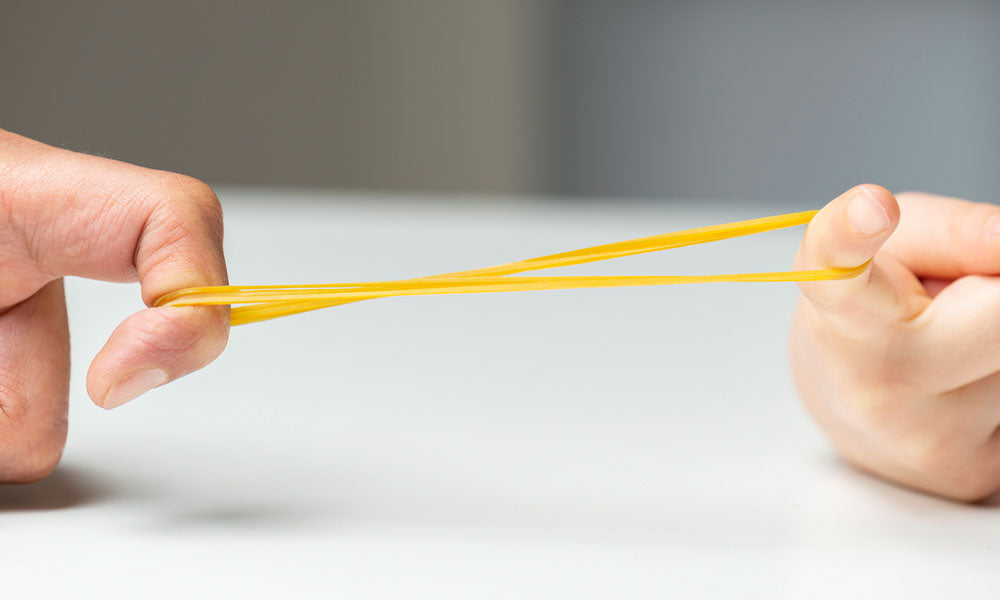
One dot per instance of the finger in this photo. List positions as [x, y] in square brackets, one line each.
[179, 245]
[957, 339]
[92, 217]
[945, 238]
[845, 233]
[975, 404]
[34, 385]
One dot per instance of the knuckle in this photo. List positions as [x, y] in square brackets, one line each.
[189, 201]
[184, 226]
[185, 185]
[207, 204]
[13, 404]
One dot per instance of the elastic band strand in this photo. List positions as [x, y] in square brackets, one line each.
[264, 302]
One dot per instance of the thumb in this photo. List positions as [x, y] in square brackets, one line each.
[845, 233]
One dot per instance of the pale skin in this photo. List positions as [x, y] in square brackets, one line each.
[64, 213]
[900, 366]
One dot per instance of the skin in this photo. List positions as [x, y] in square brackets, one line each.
[64, 213]
[901, 366]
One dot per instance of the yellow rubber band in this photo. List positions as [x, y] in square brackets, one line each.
[263, 302]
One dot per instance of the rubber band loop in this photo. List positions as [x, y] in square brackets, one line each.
[259, 303]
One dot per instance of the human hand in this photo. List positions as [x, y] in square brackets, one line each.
[64, 213]
[901, 366]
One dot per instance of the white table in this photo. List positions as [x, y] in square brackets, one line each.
[631, 443]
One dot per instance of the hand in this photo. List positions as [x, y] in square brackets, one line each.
[63, 213]
[901, 366]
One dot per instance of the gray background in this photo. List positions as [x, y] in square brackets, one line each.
[756, 99]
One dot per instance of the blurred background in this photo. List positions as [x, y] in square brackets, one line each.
[634, 443]
[767, 99]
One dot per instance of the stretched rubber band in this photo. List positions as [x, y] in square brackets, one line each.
[263, 302]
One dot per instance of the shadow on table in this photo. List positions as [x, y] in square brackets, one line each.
[239, 517]
[65, 488]
[835, 502]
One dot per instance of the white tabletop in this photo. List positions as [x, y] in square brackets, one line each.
[628, 443]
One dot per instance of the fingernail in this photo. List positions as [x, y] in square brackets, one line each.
[865, 215]
[132, 386]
